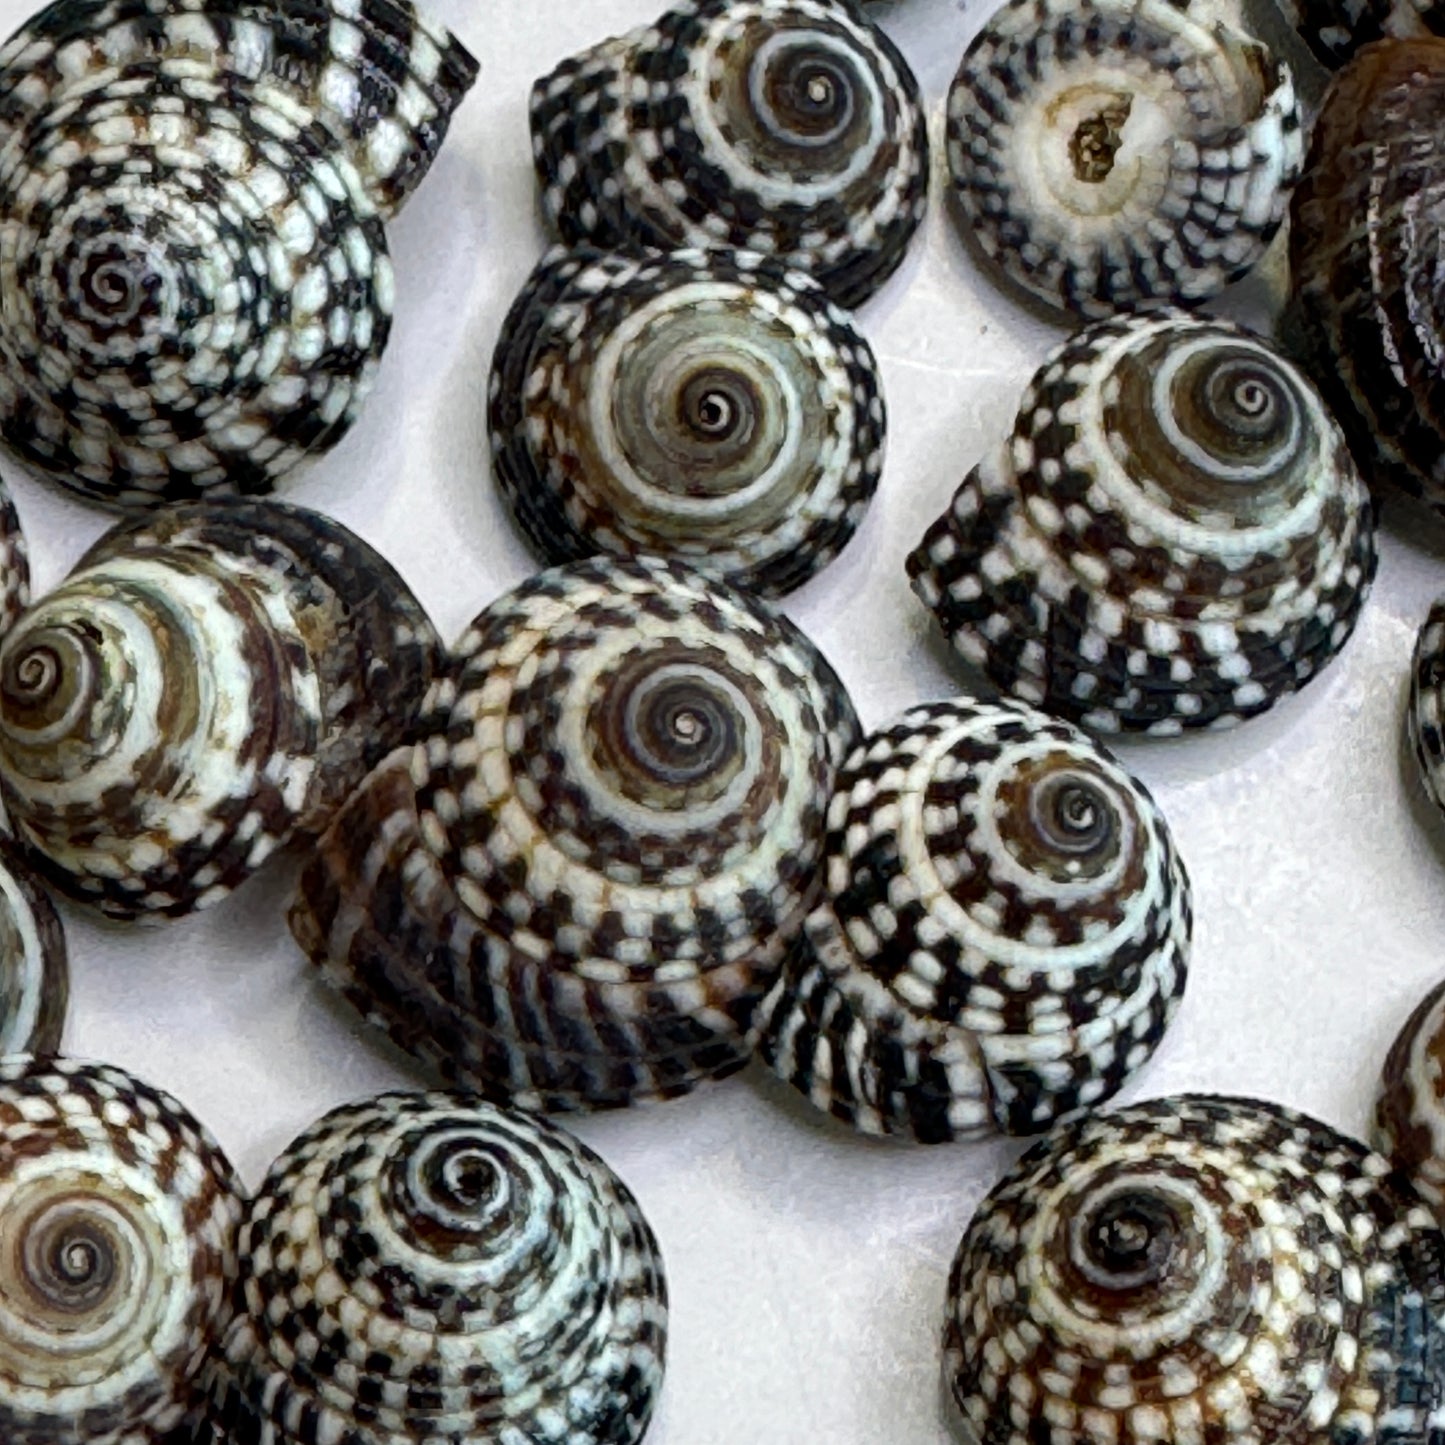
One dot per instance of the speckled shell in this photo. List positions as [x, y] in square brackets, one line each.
[1198, 1269]
[1174, 535]
[14, 563]
[205, 684]
[576, 890]
[34, 973]
[196, 289]
[711, 406]
[1366, 248]
[789, 127]
[1336, 29]
[1426, 713]
[1004, 936]
[1126, 154]
[119, 1218]
[1410, 1113]
[426, 1268]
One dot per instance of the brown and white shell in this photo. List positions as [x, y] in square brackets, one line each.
[1410, 1112]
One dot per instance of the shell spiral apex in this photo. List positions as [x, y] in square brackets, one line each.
[1410, 1112]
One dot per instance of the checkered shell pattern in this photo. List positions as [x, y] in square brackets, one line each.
[119, 1218]
[14, 563]
[195, 288]
[206, 683]
[1410, 1111]
[789, 127]
[710, 406]
[1004, 937]
[1425, 716]
[1126, 154]
[34, 969]
[576, 890]
[425, 1267]
[1198, 1269]
[1174, 536]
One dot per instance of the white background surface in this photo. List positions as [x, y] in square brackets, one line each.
[807, 1266]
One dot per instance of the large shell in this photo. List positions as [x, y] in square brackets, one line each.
[602, 849]
[711, 406]
[1126, 154]
[119, 1220]
[1410, 1113]
[1173, 537]
[1367, 253]
[204, 684]
[424, 1267]
[790, 127]
[34, 974]
[1004, 936]
[194, 282]
[1198, 1269]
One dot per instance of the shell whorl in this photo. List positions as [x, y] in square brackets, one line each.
[1173, 537]
[1004, 934]
[530, 1285]
[1410, 1111]
[203, 685]
[1198, 1265]
[34, 970]
[710, 406]
[120, 1214]
[194, 282]
[789, 127]
[607, 841]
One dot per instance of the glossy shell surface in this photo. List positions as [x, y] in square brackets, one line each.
[1410, 1112]
[710, 406]
[1173, 536]
[34, 972]
[1426, 714]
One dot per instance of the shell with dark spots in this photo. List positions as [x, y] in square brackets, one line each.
[1410, 1112]
[34, 970]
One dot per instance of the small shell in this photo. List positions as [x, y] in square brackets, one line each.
[1124, 154]
[1336, 29]
[423, 1267]
[202, 686]
[789, 127]
[1004, 937]
[1173, 537]
[1198, 1269]
[196, 289]
[34, 974]
[708, 406]
[1426, 713]
[120, 1216]
[603, 848]
[1410, 1114]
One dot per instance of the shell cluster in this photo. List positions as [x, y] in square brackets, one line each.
[34, 972]
[1410, 1113]
[1004, 936]
[1198, 1268]
[196, 288]
[1122, 154]
[205, 684]
[1173, 536]
[576, 888]
[710, 406]
[120, 1215]
[789, 127]
[491, 1279]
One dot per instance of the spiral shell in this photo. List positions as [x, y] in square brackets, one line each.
[1127, 154]
[120, 1216]
[1426, 713]
[1366, 246]
[1173, 537]
[603, 847]
[1410, 1114]
[789, 127]
[1004, 936]
[194, 282]
[34, 973]
[206, 683]
[708, 406]
[423, 1267]
[1198, 1269]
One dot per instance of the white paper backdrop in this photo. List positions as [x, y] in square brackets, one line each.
[807, 1266]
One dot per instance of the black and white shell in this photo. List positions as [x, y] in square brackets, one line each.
[425, 1267]
[789, 127]
[1336, 29]
[1426, 713]
[34, 969]
[710, 406]
[1004, 935]
[1173, 536]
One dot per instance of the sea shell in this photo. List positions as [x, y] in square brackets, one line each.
[120, 1216]
[1367, 252]
[711, 406]
[194, 282]
[1336, 29]
[1198, 1269]
[576, 889]
[424, 1267]
[789, 127]
[1173, 537]
[1426, 713]
[207, 682]
[1004, 937]
[1124, 154]
[1410, 1114]
[34, 974]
